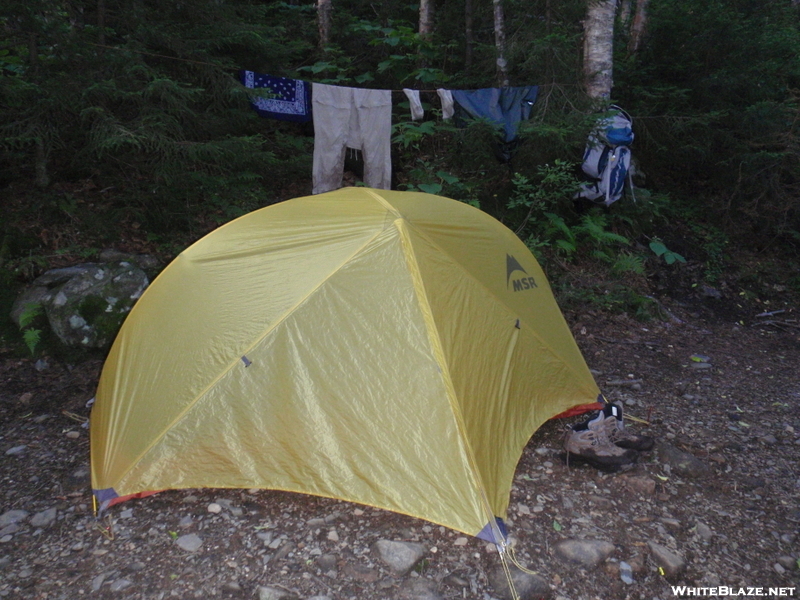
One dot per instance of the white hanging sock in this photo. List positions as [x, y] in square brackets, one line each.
[416, 103]
[446, 96]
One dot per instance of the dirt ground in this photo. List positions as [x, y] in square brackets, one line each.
[730, 520]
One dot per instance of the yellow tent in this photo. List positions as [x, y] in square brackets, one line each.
[393, 349]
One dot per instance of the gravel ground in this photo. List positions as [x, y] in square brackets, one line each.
[717, 503]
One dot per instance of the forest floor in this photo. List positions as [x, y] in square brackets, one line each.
[730, 518]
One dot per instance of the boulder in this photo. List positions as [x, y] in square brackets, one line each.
[85, 304]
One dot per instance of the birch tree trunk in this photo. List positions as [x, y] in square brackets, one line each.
[598, 48]
[324, 12]
[500, 43]
[638, 26]
[425, 18]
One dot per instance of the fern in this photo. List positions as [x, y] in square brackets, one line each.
[628, 263]
[30, 335]
[32, 338]
[29, 314]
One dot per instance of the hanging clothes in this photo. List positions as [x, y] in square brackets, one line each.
[290, 99]
[446, 97]
[351, 118]
[503, 107]
[415, 103]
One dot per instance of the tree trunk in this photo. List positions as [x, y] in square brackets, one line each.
[425, 19]
[324, 13]
[638, 26]
[42, 177]
[500, 43]
[33, 52]
[468, 35]
[598, 48]
[101, 21]
[625, 12]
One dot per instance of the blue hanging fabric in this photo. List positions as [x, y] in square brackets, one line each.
[503, 107]
[285, 99]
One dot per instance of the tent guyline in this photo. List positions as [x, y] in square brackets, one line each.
[390, 357]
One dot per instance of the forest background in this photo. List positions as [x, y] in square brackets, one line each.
[123, 124]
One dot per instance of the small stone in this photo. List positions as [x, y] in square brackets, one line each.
[119, 585]
[315, 523]
[702, 366]
[529, 587]
[333, 536]
[214, 508]
[460, 541]
[671, 523]
[625, 573]
[704, 531]
[284, 551]
[6, 538]
[17, 450]
[97, 582]
[73, 435]
[682, 463]
[190, 499]
[672, 563]
[788, 562]
[769, 440]
[266, 592]
[640, 485]
[360, 573]
[44, 518]
[126, 514]
[190, 542]
[13, 516]
[588, 553]
[327, 562]
[419, 589]
[400, 557]
[185, 522]
[232, 586]
[779, 568]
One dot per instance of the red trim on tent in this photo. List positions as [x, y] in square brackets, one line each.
[572, 412]
[579, 410]
[120, 499]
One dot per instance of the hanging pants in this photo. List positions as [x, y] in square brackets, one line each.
[351, 118]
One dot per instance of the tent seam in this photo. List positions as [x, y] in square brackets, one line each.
[438, 351]
[491, 293]
[238, 359]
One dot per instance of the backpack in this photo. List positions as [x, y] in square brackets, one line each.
[607, 158]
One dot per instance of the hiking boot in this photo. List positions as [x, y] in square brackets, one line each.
[588, 443]
[616, 432]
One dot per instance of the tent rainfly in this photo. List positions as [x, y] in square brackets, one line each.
[393, 349]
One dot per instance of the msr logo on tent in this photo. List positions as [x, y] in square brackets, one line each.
[520, 283]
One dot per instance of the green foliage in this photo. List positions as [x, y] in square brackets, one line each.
[30, 334]
[153, 109]
[614, 297]
[670, 257]
[716, 107]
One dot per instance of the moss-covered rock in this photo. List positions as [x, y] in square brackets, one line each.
[86, 304]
